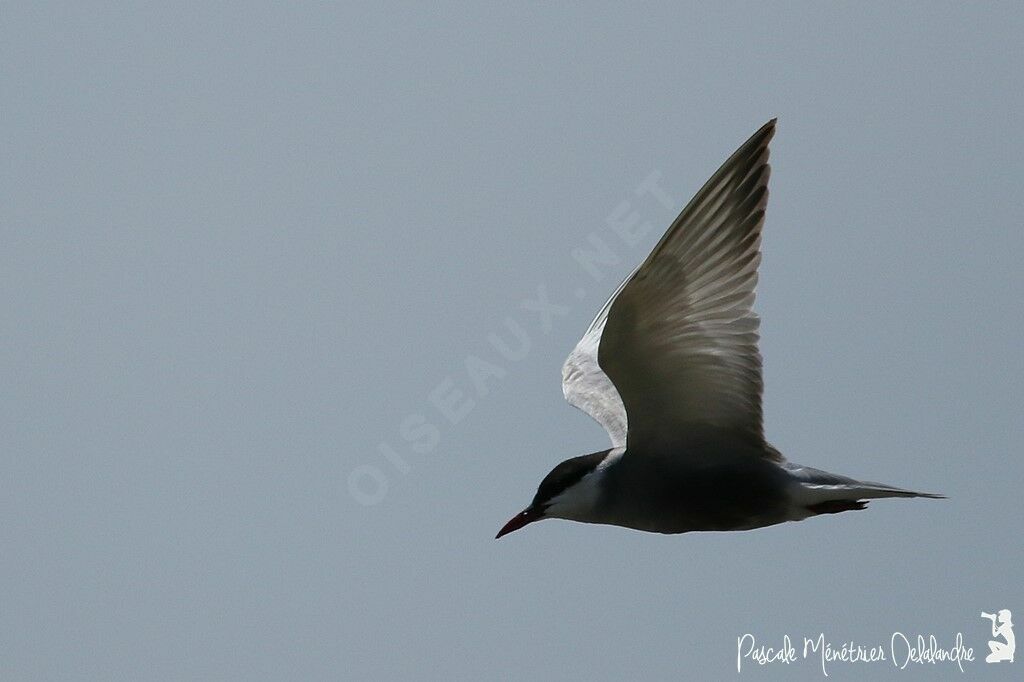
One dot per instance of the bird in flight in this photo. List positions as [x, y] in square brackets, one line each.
[670, 368]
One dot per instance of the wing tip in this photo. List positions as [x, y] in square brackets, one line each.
[765, 133]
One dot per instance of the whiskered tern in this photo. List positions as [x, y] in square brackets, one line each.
[670, 368]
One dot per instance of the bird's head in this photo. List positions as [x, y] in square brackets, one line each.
[571, 491]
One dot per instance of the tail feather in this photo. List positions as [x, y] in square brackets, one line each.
[878, 490]
[822, 492]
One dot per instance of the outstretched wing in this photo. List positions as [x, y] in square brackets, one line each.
[586, 386]
[679, 340]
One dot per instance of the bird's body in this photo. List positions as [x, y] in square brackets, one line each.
[670, 368]
[733, 490]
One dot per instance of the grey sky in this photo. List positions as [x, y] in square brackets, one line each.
[242, 246]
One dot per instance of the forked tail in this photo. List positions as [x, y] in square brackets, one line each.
[821, 492]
